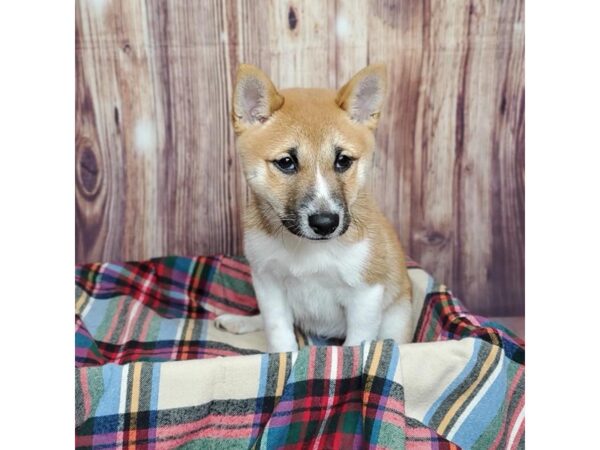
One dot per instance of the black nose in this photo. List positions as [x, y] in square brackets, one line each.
[324, 223]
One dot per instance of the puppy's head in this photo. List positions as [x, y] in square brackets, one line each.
[306, 153]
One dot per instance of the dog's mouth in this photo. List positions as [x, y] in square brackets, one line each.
[292, 225]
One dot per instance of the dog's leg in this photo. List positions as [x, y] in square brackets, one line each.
[276, 312]
[397, 323]
[237, 324]
[363, 314]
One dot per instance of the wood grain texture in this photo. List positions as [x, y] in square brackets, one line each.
[156, 169]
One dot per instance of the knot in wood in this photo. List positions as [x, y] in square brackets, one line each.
[292, 18]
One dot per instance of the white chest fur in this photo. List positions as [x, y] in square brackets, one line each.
[316, 278]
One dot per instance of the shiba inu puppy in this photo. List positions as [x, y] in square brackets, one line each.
[323, 257]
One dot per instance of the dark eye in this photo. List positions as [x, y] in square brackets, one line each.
[342, 163]
[286, 165]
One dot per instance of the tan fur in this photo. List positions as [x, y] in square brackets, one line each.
[315, 121]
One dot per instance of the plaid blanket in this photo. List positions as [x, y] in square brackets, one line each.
[152, 370]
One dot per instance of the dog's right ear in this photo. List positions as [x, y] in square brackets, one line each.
[255, 98]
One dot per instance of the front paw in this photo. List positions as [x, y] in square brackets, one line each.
[353, 341]
[237, 324]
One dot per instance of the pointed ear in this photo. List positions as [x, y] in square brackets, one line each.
[362, 97]
[255, 98]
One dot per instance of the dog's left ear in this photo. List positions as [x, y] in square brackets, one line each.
[362, 97]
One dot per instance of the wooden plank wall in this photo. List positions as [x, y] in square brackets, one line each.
[156, 168]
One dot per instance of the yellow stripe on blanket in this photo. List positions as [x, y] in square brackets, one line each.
[81, 302]
[135, 403]
[135, 388]
[372, 370]
[281, 374]
[483, 375]
[189, 329]
[376, 357]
